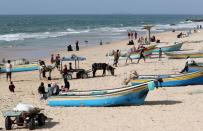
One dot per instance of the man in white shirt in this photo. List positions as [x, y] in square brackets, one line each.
[8, 70]
[189, 61]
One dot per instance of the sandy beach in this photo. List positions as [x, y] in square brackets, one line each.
[168, 109]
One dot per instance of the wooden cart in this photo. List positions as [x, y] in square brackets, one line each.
[22, 118]
[80, 73]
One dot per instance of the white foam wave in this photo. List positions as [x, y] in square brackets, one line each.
[99, 30]
[41, 35]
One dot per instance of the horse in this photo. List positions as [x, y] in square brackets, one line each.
[48, 68]
[102, 66]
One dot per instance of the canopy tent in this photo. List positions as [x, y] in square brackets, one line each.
[73, 58]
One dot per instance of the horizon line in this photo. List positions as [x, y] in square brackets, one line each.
[101, 14]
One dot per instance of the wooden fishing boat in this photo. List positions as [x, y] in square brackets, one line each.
[193, 78]
[21, 68]
[196, 67]
[135, 55]
[129, 95]
[181, 55]
[168, 48]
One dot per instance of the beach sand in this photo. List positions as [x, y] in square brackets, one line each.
[168, 109]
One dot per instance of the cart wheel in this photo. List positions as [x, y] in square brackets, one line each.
[31, 124]
[69, 76]
[41, 120]
[8, 123]
[84, 76]
[19, 121]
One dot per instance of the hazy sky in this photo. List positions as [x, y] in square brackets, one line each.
[101, 6]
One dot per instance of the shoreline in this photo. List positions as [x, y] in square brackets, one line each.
[172, 107]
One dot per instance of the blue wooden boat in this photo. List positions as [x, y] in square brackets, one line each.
[129, 95]
[196, 67]
[193, 78]
[21, 68]
[184, 55]
[169, 48]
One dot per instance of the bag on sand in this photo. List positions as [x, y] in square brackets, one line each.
[24, 107]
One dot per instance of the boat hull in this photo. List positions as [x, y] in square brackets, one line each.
[22, 68]
[175, 47]
[135, 96]
[194, 78]
[184, 55]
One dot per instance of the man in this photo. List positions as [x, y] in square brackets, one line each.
[42, 68]
[8, 70]
[128, 56]
[141, 54]
[189, 61]
[116, 58]
[160, 53]
[57, 61]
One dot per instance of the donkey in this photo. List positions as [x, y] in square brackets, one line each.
[48, 68]
[102, 66]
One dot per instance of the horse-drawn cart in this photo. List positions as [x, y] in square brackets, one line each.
[80, 73]
[23, 118]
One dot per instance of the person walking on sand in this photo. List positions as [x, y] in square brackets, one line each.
[11, 87]
[57, 60]
[52, 59]
[141, 54]
[8, 70]
[77, 45]
[116, 58]
[160, 53]
[128, 55]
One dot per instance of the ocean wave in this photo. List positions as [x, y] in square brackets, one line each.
[99, 30]
[40, 35]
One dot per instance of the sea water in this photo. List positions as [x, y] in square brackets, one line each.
[35, 36]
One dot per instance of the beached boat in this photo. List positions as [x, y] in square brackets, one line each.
[168, 48]
[135, 55]
[21, 68]
[184, 55]
[129, 95]
[193, 78]
[196, 67]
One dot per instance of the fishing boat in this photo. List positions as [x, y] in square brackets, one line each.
[196, 67]
[129, 95]
[193, 78]
[135, 55]
[181, 55]
[168, 48]
[21, 68]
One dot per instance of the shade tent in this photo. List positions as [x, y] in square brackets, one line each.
[75, 58]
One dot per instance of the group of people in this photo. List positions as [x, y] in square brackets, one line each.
[56, 61]
[132, 35]
[53, 89]
[117, 54]
[77, 48]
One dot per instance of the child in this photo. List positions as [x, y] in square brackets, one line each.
[11, 87]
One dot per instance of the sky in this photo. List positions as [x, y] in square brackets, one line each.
[101, 7]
